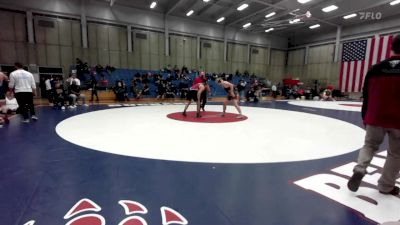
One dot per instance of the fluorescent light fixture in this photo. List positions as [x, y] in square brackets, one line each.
[153, 5]
[190, 13]
[240, 8]
[294, 21]
[330, 8]
[303, 1]
[206, 0]
[269, 30]
[315, 26]
[270, 14]
[246, 25]
[350, 16]
[395, 2]
[220, 19]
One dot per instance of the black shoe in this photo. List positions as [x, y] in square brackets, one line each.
[198, 115]
[395, 191]
[355, 181]
[184, 114]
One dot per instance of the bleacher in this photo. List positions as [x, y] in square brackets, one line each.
[128, 74]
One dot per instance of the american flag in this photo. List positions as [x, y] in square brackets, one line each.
[358, 57]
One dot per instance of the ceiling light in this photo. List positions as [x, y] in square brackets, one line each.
[330, 8]
[190, 13]
[153, 5]
[206, 0]
[315, 26]
[269, 30]
[246, 25]
[350, 16]
[294, 21]
[395, 2]
[303, 1]
[240, 8]
[271, 14]
[220, 19]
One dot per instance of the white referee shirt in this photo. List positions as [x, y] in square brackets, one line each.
[22, 81]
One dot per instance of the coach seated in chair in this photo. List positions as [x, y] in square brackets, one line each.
[76, 95]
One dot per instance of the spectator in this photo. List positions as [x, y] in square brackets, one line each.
[184, 70]
[3, 84]
[327, 95]
[93, 88]
[161, 89]
[11, 105]
[125, 88]
[49, 84]
[24, 87]
[75, 94]
[240, 87]
[170, 91]
[60, 95]
[119, 91]
[274, 91]
[99, 69]
[109, 69]
[145, 91]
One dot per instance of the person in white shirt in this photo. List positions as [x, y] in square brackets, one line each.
[11, 105]
[24, 87]
[49, 90]
[274, 90]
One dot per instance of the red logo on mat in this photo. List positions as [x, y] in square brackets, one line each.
[169, 216]
[207, 117]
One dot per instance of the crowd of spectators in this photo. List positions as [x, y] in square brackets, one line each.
[174, 82]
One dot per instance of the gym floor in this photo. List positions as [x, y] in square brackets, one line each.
[286, 162]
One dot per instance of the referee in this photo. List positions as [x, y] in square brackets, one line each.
[25, 88]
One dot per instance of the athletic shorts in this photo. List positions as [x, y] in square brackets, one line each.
[192, 95]
[229, 97]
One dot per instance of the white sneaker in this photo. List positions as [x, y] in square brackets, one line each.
[85, 105]
[25, 121]
[62, 107]
[34, 117]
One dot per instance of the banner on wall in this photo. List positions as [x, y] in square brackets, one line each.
[358, 57]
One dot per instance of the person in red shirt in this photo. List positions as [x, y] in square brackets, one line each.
[200, 79]
[381, 115]
[203, 98]
[194, 94]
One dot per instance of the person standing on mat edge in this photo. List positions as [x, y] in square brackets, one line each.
[381, 116]
[232, 96]
[24, 87]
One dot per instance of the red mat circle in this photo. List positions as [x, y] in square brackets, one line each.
[206, 117]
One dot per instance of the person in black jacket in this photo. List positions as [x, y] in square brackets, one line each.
[93, 88]
[381, 116]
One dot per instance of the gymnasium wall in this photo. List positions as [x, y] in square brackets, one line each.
[319, 65]
[107, 39]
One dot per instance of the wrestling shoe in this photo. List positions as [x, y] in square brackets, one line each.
[355, 181]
